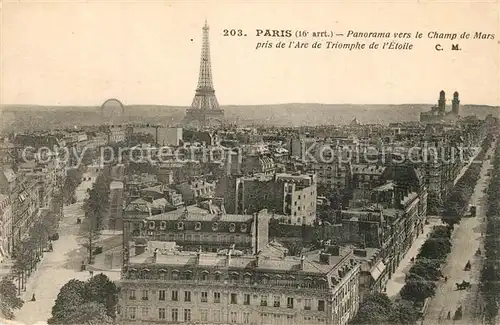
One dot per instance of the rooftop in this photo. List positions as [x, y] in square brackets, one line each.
[312, 263]
[195, 213]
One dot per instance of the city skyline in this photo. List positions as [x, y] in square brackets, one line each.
[84, 53]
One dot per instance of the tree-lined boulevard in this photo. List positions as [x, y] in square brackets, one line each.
[61, 265]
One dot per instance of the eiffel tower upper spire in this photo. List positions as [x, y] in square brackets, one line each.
[204, 97]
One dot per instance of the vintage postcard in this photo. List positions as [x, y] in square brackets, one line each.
[249, 162]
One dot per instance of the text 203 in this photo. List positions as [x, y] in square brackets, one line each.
[233, 32]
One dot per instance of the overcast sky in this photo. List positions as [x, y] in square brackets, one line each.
[67, 53]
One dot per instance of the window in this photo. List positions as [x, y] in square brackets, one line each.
[321, 305]
[217, 297]
[145, 312]
[204, 276]
[187, 296]
[277, 301]
[132, 312]
[131, 294]
[204, 296]
[246, 299]
[234, 317]
[175, 314]
[234, 298]
[216, 316]
[175, 295]
[307, 304]
[187, 315]
[217, 276]
[246, 318]
[161, 313]
[289, 302]
[204, 315]
[161, 294]
[263, 300]
[144, 294]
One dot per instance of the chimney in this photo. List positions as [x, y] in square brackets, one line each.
[302, 261]
[155, 254]
[139, 247]
[324, 258]
[198, 256]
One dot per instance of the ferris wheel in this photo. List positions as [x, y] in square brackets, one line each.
[112, 111]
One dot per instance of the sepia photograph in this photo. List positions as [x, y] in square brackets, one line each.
[249, 162]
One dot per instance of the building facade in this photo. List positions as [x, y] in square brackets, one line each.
[194, 227]
[292, 196]
[5, 226]
[210, 288]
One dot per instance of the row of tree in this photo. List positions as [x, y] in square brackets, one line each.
[490, 274]
[457, 202]
[90, 302]
[377, 308]
[485, 146]
[73, 179]
[420, 282]
[26, 255]
[9, 300]
[29, 252]
[95, 208]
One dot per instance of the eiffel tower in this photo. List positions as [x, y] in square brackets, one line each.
[204, 111]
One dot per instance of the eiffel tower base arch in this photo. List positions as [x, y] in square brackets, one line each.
[198, 118]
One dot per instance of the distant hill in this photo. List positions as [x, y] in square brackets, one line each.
[31, 117]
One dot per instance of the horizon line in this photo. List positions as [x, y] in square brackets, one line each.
[268, 104]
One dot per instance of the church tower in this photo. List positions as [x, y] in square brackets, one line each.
[455, 104]
[442, 101]
[204, 111]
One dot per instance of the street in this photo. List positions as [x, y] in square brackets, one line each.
[59, 266]
[466, 239]
[397, 280]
